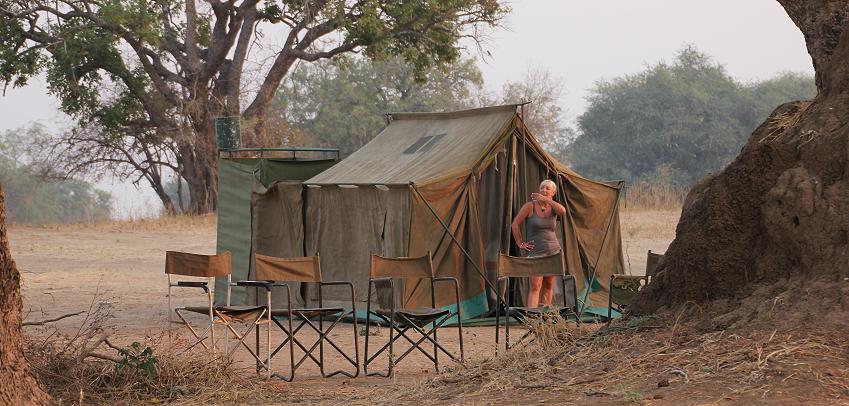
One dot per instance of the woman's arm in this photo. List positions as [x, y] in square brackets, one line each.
[558, 208]
[517, 222]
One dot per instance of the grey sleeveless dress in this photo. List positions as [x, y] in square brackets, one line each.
[541, 232]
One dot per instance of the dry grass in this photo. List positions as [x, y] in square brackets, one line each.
[86, 368]
[633, 358]
[654, 196]
[162, 223]
[644, 230]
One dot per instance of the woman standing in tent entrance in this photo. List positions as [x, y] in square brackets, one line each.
[541, 213]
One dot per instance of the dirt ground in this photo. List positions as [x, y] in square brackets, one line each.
[67, 269]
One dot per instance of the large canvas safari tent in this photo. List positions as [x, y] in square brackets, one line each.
[445, 183]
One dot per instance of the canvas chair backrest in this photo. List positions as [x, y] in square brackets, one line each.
[523, 266]
[403, 267]
[623, 291]
[652, 262]
[301, 269]
[186, 264]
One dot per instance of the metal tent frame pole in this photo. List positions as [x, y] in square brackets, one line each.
[454, 239]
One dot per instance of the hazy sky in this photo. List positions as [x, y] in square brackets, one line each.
[586, 41]
[580, 42]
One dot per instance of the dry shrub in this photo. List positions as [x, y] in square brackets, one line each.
[86, 368]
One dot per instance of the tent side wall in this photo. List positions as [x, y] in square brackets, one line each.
[235, 178]
[278, 231]
[345, 225]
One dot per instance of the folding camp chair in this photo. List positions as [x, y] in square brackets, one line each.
[513, 267]
[623, 288]
[277, 271]
[401, 320]
[210, 266]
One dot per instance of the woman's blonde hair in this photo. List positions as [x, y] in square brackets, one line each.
[549, 182]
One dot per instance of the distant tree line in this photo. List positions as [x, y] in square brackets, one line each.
[33, 199]
[671, 123]
[675, 122]
[341, 103]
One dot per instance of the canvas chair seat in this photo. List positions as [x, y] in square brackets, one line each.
[420, 316]
[625, 290]
[232, 312]
[308, 313]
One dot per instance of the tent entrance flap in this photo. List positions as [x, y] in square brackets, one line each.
[445, 221]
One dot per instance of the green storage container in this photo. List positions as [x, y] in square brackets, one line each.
[228, 133]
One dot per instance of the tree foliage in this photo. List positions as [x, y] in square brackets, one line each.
[342, 103]
[678, 121]
[146, 79]
[32, 199]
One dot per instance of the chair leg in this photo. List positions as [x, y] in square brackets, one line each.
[507, 329]
[289, 338]
[497, 321]
[460, 333]
[435, 348]
[323, 335]
[367, 360]
[194, 332]
[391, 341]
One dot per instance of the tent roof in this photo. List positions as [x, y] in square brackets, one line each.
[423, 147]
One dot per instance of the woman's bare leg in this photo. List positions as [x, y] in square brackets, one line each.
[533, 293]
[546, 295]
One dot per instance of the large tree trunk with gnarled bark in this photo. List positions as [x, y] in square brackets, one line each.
[17, 385]
[767, 239]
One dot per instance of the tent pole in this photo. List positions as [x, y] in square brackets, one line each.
[524, 153]
[598, 256]
[562, 191]
[448, 231]
[511, 191]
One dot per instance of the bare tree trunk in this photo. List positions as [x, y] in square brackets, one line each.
[17, 385]
[199, 160]
[780, 212]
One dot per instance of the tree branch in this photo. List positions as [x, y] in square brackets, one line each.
[43, 322]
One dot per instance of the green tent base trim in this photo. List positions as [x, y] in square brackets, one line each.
[471, 308]
[600, 313]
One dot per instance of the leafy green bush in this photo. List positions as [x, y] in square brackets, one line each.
[136, 357]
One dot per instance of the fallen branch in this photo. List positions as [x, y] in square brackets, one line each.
[43, 322]
[112, 358]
